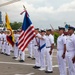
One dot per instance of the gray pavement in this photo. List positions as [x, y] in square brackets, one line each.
[9, 66]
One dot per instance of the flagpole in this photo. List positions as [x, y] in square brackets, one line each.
[51, 27]
[24, 7]
[23, 12]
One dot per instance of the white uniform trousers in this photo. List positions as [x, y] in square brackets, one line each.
[22, 55]
[30, 49]
[37, 56]
[61, 63]
[71, 66]
[16, 51]
[33, 51]
[0, 44]
[48, 60]
[8, 49]
[42, 58]
[4, 47]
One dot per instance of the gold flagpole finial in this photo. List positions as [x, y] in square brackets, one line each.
[24, 7]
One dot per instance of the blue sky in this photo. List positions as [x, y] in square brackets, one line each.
[42, 12]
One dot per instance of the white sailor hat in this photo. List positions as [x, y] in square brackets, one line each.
[61, 28]
[71, 27]
[42, 30]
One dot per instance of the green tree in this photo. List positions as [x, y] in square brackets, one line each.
[55, 37]
[16, 25]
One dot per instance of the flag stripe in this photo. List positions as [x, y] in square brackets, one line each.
[27, 34]
[20, 40]
[28, 42]
[26, 37]
[22, 32]
[25, 41]
[29, 28]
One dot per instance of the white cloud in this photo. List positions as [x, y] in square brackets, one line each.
[43, 15]
[67, 7]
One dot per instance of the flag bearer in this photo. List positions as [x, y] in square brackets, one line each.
[21, 54]
[15, 45]
[49, 47]
[70, 45]
[42, 49]
[7, 46]
[61, 51]
[36, 49]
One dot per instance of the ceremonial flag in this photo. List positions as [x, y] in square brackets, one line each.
[27, 33]
[67, 26]
[10, 36]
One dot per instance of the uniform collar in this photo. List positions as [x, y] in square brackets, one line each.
[72, 35]
[61, 34]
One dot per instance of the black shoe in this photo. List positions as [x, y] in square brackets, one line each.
[14, 57]
[7, 55]
[36, 67]
[21, 60]
[48, 71]
[2, 53]
[28, 57]
[33, 58]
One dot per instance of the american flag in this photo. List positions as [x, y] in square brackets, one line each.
[27, 33]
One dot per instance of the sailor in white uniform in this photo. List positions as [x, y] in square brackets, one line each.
[42, 49]
[16, 52]
[1, 42]
[7, 44]
[21, 54]
[70, 45]
[61, 51]
[4, 43]
[36, 49]
[49, 47]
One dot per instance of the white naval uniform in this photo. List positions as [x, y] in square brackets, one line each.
[49, 42]
[71, 53]
[21, 55]
[11, 48]
[60, 49]
[16, 50]
[37, 52]
[42, 52]
[7, 47]
[30, 49]
[0, 41]
[4, 43]
[33, 51]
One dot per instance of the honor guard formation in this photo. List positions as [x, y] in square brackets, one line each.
[41, 49]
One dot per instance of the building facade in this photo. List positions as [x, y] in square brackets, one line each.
[1, 22]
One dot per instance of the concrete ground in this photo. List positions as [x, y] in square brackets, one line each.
[9, 66]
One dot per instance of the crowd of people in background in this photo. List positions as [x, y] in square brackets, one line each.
[41, 49]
